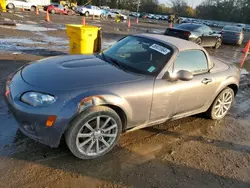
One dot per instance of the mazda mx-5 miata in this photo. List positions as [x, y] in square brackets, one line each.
[140, 81]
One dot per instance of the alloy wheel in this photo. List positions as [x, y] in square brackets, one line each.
[223, 104]
[97, 135]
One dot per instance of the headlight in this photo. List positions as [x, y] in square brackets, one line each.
[37, 99]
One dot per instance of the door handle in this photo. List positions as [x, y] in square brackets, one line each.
[206, 80]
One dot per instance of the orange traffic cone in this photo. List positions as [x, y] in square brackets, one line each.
[83, 21]
[37, 11]
[129, 23]
[246, 49]
[243, 59]
[47, 16]
[22, 9]
[137, 20]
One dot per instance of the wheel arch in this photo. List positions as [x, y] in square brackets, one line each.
[118, 104]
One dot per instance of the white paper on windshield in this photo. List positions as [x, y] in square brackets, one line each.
[160, 49]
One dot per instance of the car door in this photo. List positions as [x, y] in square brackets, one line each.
[177, 98]
[208, 38]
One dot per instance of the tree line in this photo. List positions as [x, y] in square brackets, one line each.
[223, 10]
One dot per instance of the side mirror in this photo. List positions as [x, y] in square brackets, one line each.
[180, 75]
[184, 75]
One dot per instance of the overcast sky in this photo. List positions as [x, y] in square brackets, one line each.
[192, 3]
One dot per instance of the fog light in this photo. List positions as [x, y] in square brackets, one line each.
[50, 121]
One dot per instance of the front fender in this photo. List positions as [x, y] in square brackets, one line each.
[88, 100]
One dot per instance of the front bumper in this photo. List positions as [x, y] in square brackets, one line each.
[32, 120]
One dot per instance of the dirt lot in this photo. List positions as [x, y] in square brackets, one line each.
[191, 152]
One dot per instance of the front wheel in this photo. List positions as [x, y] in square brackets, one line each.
[221, 104]
[94, 132]
[218, 43]
[53, 11]
[86, 14]
[33, 8]
[11, 6]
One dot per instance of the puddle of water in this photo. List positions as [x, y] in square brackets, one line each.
[26, 27]
[5, 41]
[106, 44]
[50, 39]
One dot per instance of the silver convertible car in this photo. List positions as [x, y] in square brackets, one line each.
[140, 81]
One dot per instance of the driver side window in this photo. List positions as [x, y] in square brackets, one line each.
[194, 61]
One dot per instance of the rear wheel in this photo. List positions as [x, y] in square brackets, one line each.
[198, 41]
[33, 8]
[109, 16]
[53, 11]
[221, 104]
[94, 133]
[218, 43]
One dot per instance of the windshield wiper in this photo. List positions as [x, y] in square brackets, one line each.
[114, 61]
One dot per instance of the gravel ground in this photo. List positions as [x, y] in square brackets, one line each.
[191, 152]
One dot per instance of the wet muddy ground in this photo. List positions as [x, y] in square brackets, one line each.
[191, 152]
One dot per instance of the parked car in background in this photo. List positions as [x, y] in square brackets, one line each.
[141, 81]
[198, 33]
[232, 34]
[57, 8]
[113, 14]
[12, 4]
[90, 10]
[243, 26]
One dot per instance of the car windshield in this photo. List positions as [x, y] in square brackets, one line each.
[139, 55]
[188, 27]
[232, 28]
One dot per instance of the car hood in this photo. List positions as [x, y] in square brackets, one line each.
[71, 72]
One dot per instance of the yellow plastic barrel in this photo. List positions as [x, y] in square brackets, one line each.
[83, 39]
[3, 5]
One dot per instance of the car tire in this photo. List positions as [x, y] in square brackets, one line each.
[221, 104]
[122, 18]
[81, 146]
[87, 14]
[109, 16]
[218, 43]
[53, 11]
[11, 6]
[33, 8]
[198, 41]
